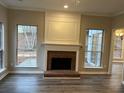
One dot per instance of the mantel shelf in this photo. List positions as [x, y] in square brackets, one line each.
[56, 44]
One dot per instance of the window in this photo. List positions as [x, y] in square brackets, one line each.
[26, 46]
[1, 45]
[94, 45]
[118, 48]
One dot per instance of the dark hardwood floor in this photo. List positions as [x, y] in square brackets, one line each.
[87, 84]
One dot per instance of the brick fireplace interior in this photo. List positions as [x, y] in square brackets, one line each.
[61, 60]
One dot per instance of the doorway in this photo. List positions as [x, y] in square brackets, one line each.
[117, 55]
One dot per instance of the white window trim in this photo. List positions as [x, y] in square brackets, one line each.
[2, 70]
[3, 47]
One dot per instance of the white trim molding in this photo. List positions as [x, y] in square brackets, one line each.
[3, 4]
[104, 73]
[26, 72]
[2, 70]
[27, 8]
[123, 82]
[119, 13]
[123, 73]
[5, 74]
[111, 53]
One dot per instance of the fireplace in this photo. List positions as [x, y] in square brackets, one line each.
[61, 60]
[61, 64]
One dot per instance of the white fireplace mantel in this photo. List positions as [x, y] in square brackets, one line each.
[62, 33]
[60, 47]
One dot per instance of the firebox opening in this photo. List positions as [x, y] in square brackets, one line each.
[61, 60]
[61, 63]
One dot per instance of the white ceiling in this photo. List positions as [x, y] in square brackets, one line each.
[85, 6]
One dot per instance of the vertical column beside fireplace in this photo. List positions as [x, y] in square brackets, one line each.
[61, 60]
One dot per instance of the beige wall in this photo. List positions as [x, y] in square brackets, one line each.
[3, 19]
[30, 18]
[96, 22]
[14, 17]
[38, 18]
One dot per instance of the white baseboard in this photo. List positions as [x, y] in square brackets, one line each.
[123, 82]
[3, 4]
[6, 73]
[93, 73]
[26, 72]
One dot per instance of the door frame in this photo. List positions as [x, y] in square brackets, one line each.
[111, 52]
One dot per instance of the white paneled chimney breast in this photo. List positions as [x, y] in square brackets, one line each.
[62, 27]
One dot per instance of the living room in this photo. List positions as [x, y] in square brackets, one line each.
[36, 40]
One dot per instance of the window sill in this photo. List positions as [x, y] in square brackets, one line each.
[94, 67]
[2, 70]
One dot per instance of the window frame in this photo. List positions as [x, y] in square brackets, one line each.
[2, 46]
[17, 45]
[102, 47]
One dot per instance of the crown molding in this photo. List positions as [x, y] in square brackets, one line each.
[96, 14]
[4, 75]
[26, 8]
[3, 4]
[117, 14]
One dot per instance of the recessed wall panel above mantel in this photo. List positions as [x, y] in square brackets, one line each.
[62, 28]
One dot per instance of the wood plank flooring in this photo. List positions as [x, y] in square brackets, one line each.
[87, 84]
